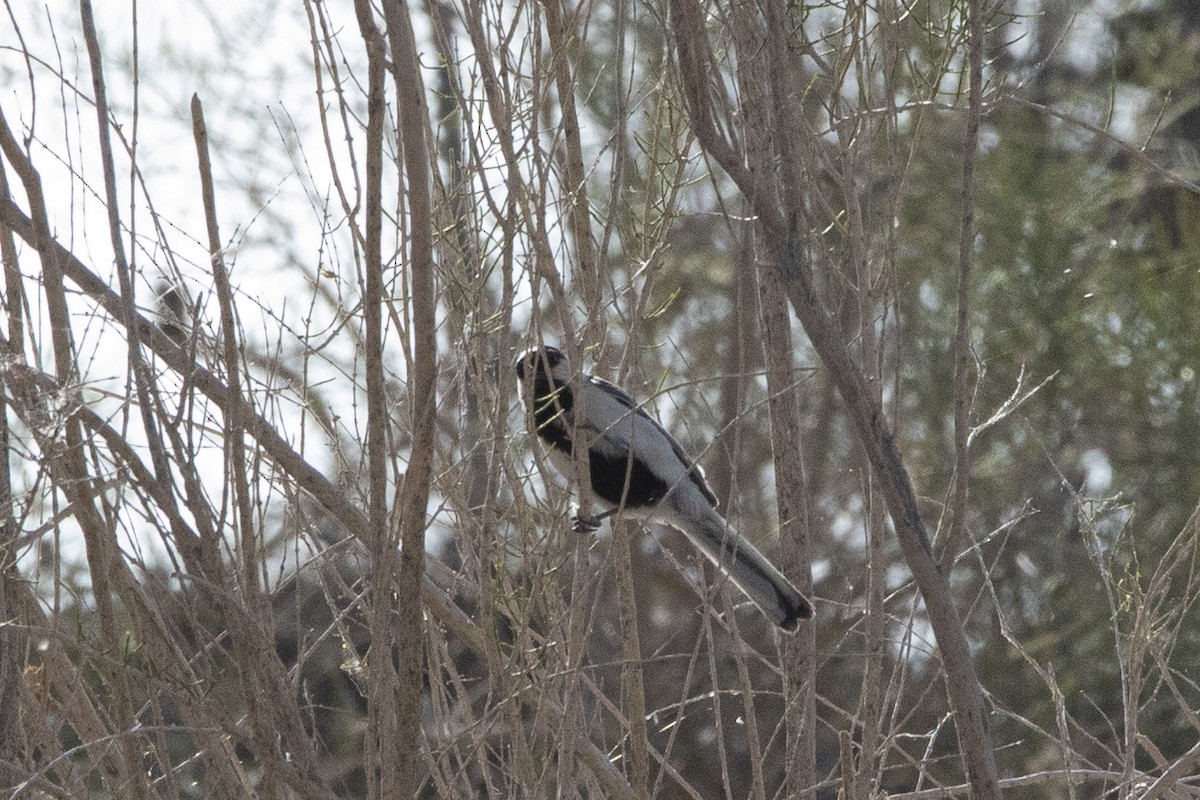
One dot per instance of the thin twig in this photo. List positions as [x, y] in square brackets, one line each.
[963, 393]
[336, 501]
[69, 467]
[785, 241]
[1136, 153]
[278, 732]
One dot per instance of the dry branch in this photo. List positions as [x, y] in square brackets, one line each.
[780, 210]
[439, 605]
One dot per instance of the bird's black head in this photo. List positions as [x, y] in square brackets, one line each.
[546, 363]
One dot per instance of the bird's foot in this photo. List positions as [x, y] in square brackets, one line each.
[588, 524]
[585, 524]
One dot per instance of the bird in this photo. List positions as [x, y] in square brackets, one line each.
[639, 470]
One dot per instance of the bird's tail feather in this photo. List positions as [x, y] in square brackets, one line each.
[747, 567]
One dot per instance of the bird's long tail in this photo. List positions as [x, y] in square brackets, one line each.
[746, 566]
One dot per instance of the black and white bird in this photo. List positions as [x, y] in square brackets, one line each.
[637, 468]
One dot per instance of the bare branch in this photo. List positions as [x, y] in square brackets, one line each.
[784, 239]
[966, 251]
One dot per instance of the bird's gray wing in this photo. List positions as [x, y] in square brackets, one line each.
[694, 471]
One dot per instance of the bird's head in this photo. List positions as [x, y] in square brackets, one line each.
[547, 363]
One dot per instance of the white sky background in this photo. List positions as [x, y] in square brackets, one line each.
[244, 67]
[281, 219]
[252, 68]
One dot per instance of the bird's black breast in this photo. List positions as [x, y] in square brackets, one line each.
[553, 413]
[609, 472]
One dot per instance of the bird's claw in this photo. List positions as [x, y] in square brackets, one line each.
[585, 524]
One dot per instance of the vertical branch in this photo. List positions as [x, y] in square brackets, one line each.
[563, 42]
[140, 373]
[871, 714]
[800, 663]
[785, 235]
[744, 308]
[633, 688]
[412, 123]
[563, 38]
[868, 717]
[966, 246]
[68, 463]
[735, 380]
[12, 637]
[783, 395]
[633, 684]
[388, 764]
[14, 294]
[143, 379]
[474, 301]
[235, 448]
[275, 725]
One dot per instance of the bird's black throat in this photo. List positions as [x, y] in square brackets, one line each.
[553, 411]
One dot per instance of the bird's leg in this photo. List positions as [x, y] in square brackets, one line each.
[590, 523]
